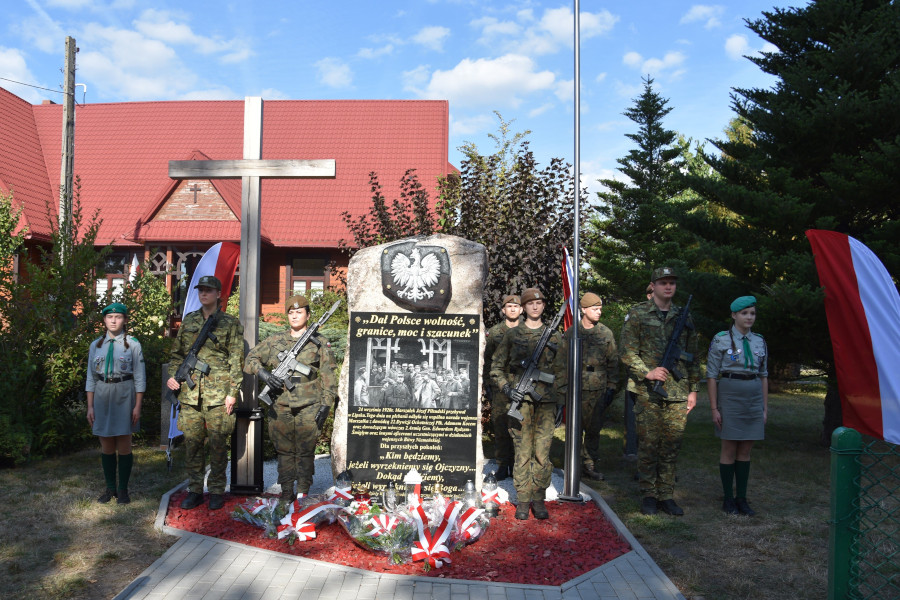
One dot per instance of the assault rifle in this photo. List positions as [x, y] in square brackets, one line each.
[531, 374]
[288, 358]
[188, 366]
[673, 352]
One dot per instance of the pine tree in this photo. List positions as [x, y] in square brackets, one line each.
[633, 231]
[819, 150]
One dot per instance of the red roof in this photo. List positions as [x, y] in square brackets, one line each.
[122, 154]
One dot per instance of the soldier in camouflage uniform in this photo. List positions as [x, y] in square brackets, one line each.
[599, 376]
[298, 414]
[660, 421]
[531, 436]
[207, 411]
[503, 446]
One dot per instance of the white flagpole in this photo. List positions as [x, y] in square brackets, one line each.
[572, 480]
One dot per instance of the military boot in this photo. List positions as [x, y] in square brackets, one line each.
[522, 510]
[587, 470]
[539, 510]
[287, 494]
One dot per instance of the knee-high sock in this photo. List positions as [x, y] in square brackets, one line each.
[726, 472]
[108, 461]
[126, 461]
[741, 474]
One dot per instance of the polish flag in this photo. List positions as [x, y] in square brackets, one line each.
[568, 282]
[220, 261]
[863, 310]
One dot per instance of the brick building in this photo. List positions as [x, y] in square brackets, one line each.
[122, 151]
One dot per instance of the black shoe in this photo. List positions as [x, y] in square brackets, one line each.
[743, 507]
[503, 472]
[648, 505]
[522, 511]
[729, 506]
[107, 496]
[216, 501]
[591, 474]
[539, 510]
[193, 500]
[669, 506]
[122, 497]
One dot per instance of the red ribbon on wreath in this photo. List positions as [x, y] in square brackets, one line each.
[304, 531]
[487, 497]
[431, 547]
[469, 526]
[382, 524]
[341, 494]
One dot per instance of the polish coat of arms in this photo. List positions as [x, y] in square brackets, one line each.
[416, 277]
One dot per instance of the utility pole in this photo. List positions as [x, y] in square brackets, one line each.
[66, 171]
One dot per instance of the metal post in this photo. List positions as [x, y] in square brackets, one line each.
[846, 446]
[572, 481]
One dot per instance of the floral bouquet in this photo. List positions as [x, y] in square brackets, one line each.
[264, 513]
[378, 530]
[303, 514]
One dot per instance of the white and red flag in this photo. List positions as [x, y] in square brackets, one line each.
[219, 261]
[863, 310]
[568, 283]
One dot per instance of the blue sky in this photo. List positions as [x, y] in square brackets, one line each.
[515, 58]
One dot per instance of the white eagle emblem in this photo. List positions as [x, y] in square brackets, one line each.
[416, 274]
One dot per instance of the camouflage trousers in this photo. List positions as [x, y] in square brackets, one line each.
[294, 433]
[503, 444]
[531, 437]
[206, 426]
[592, 411]
[660, 426]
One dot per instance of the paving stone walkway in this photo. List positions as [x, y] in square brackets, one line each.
[201, 567]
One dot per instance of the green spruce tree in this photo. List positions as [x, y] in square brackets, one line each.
[817, 150]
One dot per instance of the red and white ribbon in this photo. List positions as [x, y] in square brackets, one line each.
[487, 497]
[469, 526]
[304, 531]
[262, 504]
[295, 505]
[341, 494]
[431, 547]
[382, 524]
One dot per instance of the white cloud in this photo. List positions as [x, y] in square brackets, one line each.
[432, 37]
[13, 66]
[487, 82]
[274, 94]
[737, 46]
[600, 78]
[625, 90]
[549, 34]
[707, 13]
[473, 125]
[536, 112]
[169, 28]
[334, 72]
[416, 78]
[668, 66]
[565, 91]
[214, 93]
[42, 31]
[71, 4]
[375, 52]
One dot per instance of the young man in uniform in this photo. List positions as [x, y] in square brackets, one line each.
[298, 414]
[503, 446]
[207, 411]
[533, 434]
[599, 376]
[660, 420]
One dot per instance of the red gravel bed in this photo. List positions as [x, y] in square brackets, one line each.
[574, 540]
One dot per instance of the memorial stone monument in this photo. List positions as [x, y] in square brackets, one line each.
[410, 390]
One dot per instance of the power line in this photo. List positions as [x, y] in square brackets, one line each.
[34, 86]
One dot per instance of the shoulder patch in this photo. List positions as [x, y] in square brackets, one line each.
[721, 333]
[133, 339]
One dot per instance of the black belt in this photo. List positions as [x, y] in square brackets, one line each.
[303, 378]
[119, 379]
[742, 376]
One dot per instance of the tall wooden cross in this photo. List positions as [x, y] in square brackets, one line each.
[246, 452]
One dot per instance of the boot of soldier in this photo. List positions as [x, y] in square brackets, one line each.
[287, 493]
[522, 510]
[539, 510]
[587, 470]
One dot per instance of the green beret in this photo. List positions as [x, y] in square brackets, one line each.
[743, 302]
[115, 308]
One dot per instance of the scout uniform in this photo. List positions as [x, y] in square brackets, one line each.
[531, 436]
[292, 421]
[599, 376]
[660, 420]
[115, 375]
[202, 414]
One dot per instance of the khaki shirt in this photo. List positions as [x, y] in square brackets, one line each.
[726, 354]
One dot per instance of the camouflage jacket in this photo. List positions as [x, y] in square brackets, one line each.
[224, 357]
[644, 337]
[517, 345]
[320, 387]
[492, 339]
[599, 358]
